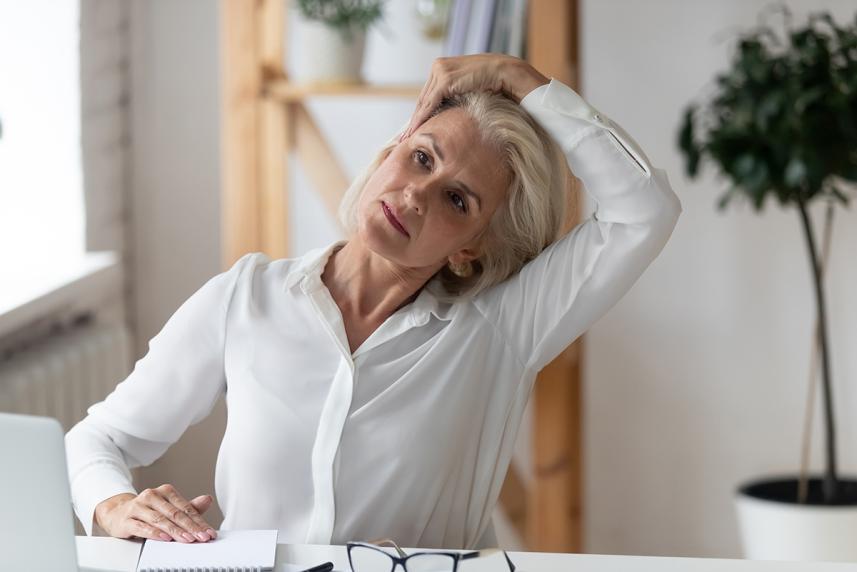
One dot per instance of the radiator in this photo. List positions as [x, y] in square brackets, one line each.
[63, 374]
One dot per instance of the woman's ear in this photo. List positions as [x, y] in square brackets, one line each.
[464, 255]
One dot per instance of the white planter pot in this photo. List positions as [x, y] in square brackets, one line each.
[326, 57]
[780, 530]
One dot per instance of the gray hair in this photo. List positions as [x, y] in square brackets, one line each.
[527, 222]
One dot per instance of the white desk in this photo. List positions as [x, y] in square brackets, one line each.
[114, 554]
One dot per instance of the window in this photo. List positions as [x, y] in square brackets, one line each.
[41, 188]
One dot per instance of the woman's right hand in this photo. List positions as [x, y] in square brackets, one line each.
[159, 514]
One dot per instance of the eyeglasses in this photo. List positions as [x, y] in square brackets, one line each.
[370, 557]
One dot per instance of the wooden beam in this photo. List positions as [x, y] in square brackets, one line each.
[318, 159]
[240, 118]
[271, 16]
[282, 89]
[554, 512]
[273, 169]
[552, 39]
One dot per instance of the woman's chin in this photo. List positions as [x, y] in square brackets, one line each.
[378, 241]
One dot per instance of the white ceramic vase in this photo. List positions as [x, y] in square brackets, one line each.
[326, 56]
[778, 530]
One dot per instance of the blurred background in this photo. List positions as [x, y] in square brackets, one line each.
[121, 193]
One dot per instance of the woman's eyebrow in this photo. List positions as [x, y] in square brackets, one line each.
[459, 184]
[437, 150]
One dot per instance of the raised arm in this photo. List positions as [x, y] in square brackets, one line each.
[572, 283]
[175, 385]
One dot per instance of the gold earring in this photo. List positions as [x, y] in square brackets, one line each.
[464, 270]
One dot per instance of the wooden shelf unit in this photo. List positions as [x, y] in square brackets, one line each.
[265, 121]
[286, 91]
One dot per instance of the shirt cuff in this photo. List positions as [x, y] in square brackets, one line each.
[535, 96]
[611, 165]
[581, 118]
[97, 483]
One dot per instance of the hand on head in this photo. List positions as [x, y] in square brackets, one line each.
[496, 73]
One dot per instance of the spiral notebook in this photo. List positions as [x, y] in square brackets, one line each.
[232, 550]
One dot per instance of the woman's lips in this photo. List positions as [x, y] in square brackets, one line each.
[392, 218]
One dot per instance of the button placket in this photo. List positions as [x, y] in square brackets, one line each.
[330, 425]
[328, 437]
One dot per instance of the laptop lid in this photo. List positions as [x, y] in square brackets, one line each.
[37, 524]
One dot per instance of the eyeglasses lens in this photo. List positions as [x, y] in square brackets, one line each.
[365, 559]
[431, 563]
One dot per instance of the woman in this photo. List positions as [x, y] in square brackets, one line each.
[375, 387]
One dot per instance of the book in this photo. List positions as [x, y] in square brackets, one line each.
[479, 27]
[501, 27]
[459, 19]
[240, 550]
[518, 33]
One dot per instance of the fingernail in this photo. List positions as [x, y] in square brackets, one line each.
[187, 536]
[202, 536]
[211, 532]
[165, 536]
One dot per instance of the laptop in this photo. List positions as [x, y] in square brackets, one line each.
[37, 522]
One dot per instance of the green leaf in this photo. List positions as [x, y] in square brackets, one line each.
[783, 117]
[687, 145]
[744, 165]
[796, 173]
[724, 199]
[839, 195]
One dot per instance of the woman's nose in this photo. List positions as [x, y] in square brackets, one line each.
[416, 196]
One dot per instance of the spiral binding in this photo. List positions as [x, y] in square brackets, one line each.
[208, 569]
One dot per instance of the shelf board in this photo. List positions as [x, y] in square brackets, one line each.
[285, 90]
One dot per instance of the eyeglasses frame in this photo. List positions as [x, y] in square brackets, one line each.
[402, 557]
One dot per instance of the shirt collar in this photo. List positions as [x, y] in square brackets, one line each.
[310, 264]
[309, 267]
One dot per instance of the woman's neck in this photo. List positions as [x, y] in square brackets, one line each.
[366, 285]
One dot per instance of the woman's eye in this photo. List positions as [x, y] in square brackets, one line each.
[455, 198]
[422, 158]
[458, 202]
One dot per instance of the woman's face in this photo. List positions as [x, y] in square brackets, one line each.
[423, 183]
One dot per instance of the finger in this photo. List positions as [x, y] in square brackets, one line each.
[202, 504]
[181, 512]
[133, 527]
[160, 521]
[427, 90]
[160, 501]
[151, 499]
[422, 102]
[426, 105]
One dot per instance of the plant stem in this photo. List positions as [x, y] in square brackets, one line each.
[831, 484]
[803, 481]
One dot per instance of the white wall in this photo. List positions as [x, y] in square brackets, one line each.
[175, 181]
[696, 379]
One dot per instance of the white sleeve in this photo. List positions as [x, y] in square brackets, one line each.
[577, 279]
[175, 385]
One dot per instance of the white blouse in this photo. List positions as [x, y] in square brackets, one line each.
[410, 436]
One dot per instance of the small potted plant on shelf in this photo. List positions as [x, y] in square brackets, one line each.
[783, 124]
[333, 38]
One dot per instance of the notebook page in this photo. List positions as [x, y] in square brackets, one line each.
[252, 550]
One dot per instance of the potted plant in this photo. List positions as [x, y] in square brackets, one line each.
[782, 123]
[333, 38]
